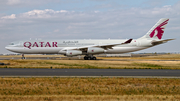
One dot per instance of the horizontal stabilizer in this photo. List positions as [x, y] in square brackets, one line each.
[160, 42]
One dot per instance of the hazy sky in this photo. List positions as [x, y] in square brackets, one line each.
[88, 19]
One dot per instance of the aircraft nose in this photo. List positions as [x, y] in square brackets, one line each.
[7, 47]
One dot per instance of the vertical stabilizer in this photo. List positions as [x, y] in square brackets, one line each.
[156, 32]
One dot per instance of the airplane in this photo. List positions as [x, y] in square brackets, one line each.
[75, 47]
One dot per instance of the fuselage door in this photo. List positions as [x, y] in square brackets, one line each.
[138, 43]
[21, 44]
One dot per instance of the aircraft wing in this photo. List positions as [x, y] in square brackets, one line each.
[161, 41]
[109, 46]
[104, 46]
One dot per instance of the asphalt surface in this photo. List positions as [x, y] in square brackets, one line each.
[88, 72]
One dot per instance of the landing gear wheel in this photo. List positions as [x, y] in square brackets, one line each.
[89, 58]
[23, 56]
[85, 58]
[94, 58]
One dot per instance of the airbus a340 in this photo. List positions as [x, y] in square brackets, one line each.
[74, 47]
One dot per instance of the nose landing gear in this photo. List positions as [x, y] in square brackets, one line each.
[22, 56]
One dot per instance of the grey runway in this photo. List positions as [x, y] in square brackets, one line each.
[87, 72]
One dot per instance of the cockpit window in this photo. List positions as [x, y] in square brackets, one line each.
[16, 43]
[11, 43]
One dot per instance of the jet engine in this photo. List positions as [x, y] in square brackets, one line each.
[73, 52]
[95, 50]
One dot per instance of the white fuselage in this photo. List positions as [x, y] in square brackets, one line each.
[56, 46]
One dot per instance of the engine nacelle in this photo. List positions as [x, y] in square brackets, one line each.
[95, 50]
[73, 52]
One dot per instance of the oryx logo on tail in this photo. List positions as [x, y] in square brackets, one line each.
[156, 32]
[159, 30]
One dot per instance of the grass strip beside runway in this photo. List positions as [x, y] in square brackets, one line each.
[86, 64]
[89, 88]
[90, 98]
[170, 61]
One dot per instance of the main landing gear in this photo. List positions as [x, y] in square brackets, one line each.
[87, 57]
